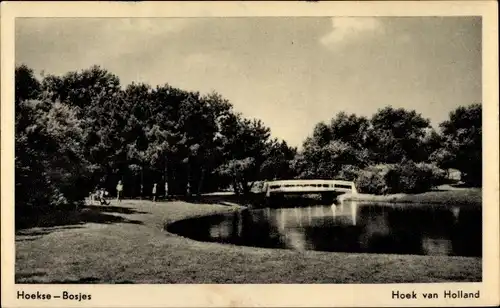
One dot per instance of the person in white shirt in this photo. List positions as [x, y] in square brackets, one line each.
[166, 190]
[119, 191]
[154, 192]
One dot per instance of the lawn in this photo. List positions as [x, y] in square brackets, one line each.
[443, 195]
[126, 243]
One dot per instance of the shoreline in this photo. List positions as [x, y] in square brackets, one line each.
[469, 197]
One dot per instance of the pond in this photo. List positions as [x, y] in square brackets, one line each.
[348, 227]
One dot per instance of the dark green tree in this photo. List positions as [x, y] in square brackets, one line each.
[277, 163]
[462, 149]
[27, 86]
[50, 165]
[335, 150]
[395, 134]
[244, 150]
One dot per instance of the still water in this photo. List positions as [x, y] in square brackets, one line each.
[348, 227]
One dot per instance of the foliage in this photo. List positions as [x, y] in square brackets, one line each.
[409, 177]
[245, 145]
[27, 86]
[395, 134]
[402, 140]
[405, 177]
[83, 129]
[277, 163]
[462, 148]
[350, 129]
[437, 176]
[332, 147]
[348, 173]
[49, 161]
[50, 166]
[352, 142]
[372, 180]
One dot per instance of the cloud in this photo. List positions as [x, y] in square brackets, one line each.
[347, 30]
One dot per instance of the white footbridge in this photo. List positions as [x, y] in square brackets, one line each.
[309, 187]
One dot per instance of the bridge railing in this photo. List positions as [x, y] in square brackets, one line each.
[309, 186]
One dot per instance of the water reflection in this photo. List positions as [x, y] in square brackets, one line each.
[350, 227]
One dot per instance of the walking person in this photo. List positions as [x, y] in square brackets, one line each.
[154, 192]
[119, 191]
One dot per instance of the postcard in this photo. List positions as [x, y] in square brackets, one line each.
[241, 154]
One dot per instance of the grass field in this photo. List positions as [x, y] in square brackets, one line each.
[126, 243]
[446, 195]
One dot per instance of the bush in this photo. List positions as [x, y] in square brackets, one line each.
[439, 176]
[348, 173]
[49, 165]
[371, 180]
[407, 177]
[404, 177]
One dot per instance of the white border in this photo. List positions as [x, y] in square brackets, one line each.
[256, 295]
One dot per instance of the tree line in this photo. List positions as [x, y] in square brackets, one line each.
[84, 128]
[396, 150]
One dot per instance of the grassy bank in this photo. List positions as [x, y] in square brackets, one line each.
[463, 196]
[126, 243]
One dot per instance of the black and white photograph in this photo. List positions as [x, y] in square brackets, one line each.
[249, 150]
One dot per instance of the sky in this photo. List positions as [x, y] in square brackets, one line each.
[290, 72]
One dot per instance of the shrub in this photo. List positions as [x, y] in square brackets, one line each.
[406, 177]
[409, 177]
[348, 173]
[50, 169]
[371, 180]
[439, 176]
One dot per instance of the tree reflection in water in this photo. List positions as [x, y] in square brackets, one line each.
[350, 227]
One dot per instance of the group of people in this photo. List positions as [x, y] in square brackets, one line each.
[154, 192]
[100, 194]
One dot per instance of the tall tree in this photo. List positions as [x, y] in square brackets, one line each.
[462, 150]
[395, 134]
[80, 89]
[50, 165]
[244, 148]
[277, 163]
[96, 97]
[27, 86]
[350, 129]
[333, 148]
